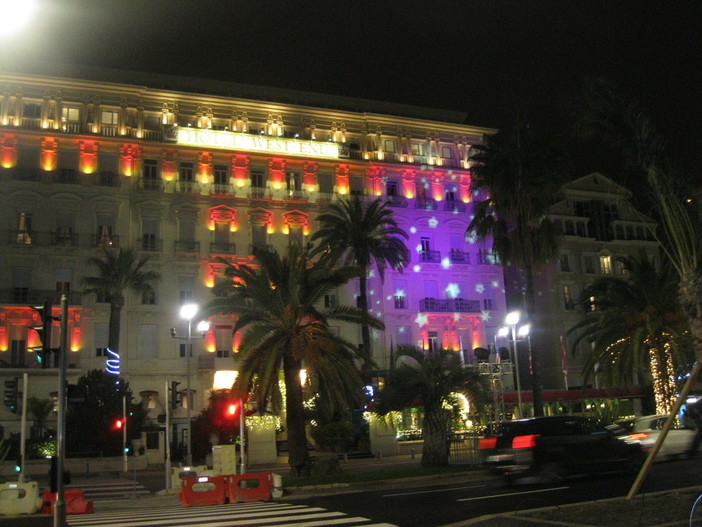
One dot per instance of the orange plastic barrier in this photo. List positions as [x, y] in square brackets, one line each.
[249, 487]
[74, 498]
[204, 490]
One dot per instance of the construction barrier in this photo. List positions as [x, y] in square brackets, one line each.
[74, 499]
[203, 490]
[177, 473]
[19, 498]
[249, 487]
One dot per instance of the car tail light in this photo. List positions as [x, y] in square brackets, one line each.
[487, 443]
[639, 436]
[525, 441]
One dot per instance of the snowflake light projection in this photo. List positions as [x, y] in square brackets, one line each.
[433, 222]
[485, 316]
[417, 268]
[421, 320]
[413, 230]
[446, 263]
[452, 290]
[471, 237]
[479, 288]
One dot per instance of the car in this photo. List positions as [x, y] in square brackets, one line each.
[550, 448]
[646, 429]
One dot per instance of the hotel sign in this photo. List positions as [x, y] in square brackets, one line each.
[271, 145]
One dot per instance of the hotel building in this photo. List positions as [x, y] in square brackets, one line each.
[188, 171]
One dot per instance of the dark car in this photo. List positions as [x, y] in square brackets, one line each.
[548, 449]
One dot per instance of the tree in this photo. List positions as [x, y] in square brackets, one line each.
[518, 173]
[431, 378]
[40, 410]
[637, 322]
[90, 426]
[276, 305]
[354, 233]
[628, 127]
[119, 271]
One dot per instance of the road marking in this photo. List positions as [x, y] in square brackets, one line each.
[430, 491]
[511, 494]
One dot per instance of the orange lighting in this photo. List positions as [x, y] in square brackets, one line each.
[169, 170]
[33, 340]
[49, 154]
[76, 339]
[4, 341]
[128, 160]
[8, 154]
[210, 341]
[88, 157]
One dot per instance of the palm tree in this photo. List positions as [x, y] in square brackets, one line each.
[276, 304]
[519, 173]
[627, 126]
[119, 271]
[637, 323]
[40, 410]
[432, 378]
[354, 233]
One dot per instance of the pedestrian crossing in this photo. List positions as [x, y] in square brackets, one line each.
[228, 515]
[116, 488]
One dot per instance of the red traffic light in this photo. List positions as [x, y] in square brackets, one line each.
[117, 424]
[231, 410]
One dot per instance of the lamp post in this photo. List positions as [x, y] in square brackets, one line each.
[511, 320]
[188, 312]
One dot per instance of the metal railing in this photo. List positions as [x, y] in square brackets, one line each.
[449, 305]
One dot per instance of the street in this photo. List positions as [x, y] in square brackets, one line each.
[436, 505]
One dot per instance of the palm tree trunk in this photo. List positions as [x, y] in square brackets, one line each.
[434, 434]
[116, 305]
[536, 382]
[299, 459]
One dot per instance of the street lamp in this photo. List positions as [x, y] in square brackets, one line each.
[512, 319]
[188, 312]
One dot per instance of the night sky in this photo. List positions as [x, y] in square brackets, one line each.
[487, 58]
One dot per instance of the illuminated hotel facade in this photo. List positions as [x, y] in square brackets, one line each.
[189, 171]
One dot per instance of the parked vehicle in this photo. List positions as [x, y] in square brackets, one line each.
[548, 449]
[646, 429]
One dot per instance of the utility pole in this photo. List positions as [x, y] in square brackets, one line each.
[60, 506]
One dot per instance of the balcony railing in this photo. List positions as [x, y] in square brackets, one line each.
[150, 184]
[430, 256]
[397, 201]
[149, 243]
[187, 187]
[459, 257]
[64, 237]
[105, 240]
[296, 195]
[182, 246]
[222, 189]
[425, 203]
[222, 248]
[259, 193]
[454, 206]
[449, 305]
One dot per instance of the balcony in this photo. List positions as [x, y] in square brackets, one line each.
[222, 248]
[259, 193]
[65, 237]
[430, 256]
[454, 206]
[21, 237]
[183, 246]
[296, 195]
[459, 257]
[105, 240]
[26, 296]
[187, 187]
[449, 305]
[26, 174]
[152, 184]
[222, 189]
[397, 201]
[150, 243]
[107, 179]
[425, 203]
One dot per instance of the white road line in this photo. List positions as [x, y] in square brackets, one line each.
[511, 494]
[430, 491]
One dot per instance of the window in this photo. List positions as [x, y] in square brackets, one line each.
[294, 181]
[21, 280]
[391, 188]
[221, 176]
[148, 341]
[432, 341]
[258, 179]
[150, 235]
[330, 300]
[488, 304]
[70, 115]
[63, 280]
[605, 264]
[356, 185]
[568, 303]
[186, 177]
[446, 152]
[295, 236]
[186, 283]
[564, 261]
[417, 149]
[148, 298]
[399, 293]
[326, 183]
[181, 349]
[259, 235]
[32, 111]
[109, 117]
[589, 264]
[450, 195]
[24, 228]
[389, 145]
[425, 244]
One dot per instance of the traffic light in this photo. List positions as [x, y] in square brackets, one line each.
[43, 352]
[12, 394]
[118, 424]
[174, 395]
[231, 410]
